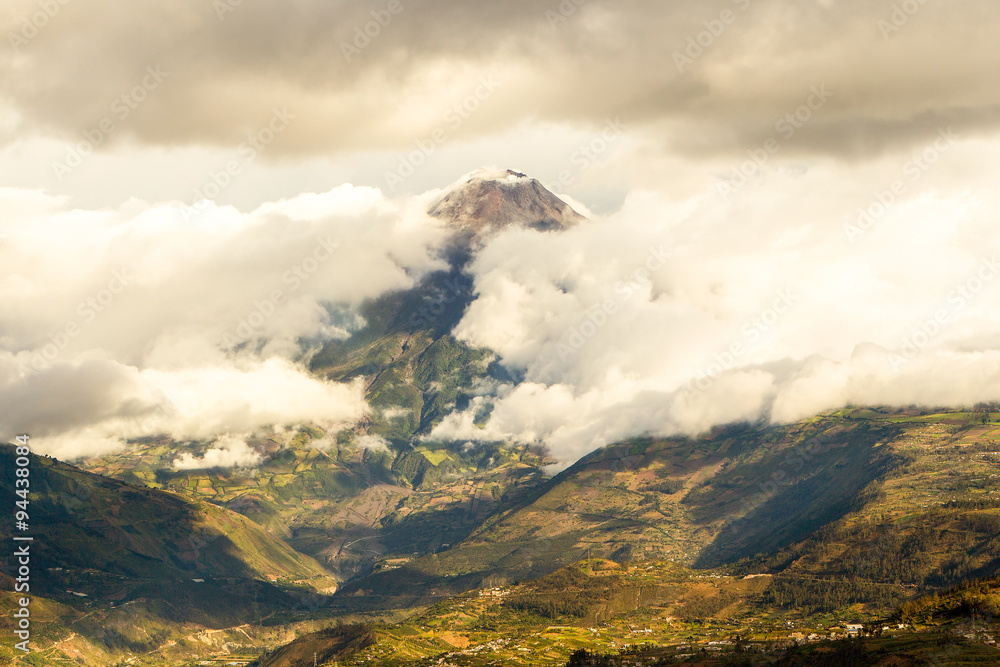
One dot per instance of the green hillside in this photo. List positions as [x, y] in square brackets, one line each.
[840, 518]
[119, 568]
[894, 499]
[355, 510]
[343, 499]
[599, 612]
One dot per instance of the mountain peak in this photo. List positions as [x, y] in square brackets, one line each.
[493, 174]
[488, 200]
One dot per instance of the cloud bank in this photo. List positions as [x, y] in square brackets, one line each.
[808, 217]
[798, 293]
[191, 322]
[699, 77]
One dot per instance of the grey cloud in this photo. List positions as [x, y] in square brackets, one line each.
[601, 59]
[65, 395]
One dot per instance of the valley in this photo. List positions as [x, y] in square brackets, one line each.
[752, 535]
[380, 542]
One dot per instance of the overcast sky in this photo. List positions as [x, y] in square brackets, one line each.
[842, 149]
[695, 82]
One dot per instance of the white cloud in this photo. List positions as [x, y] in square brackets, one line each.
[675, 315]
[373, 442]
[156, 319]
[228, 452]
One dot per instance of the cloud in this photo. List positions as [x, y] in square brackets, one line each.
[799, 293]
[811, 285]
[707, 77]
[228, 452]
[373, 442]
[165, 269]
[764, 263]
[159, 319]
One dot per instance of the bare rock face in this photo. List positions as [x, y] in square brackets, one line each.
[487, 201]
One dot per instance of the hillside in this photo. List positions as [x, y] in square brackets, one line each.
[122, 568]
[323, 647]
[837, 519]
[353, 509]
[377, 494]
[818, 498]
[598, 612]
[845, 515]
[903, 498]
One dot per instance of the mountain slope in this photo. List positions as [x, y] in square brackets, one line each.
[85, 521]
[127, 568]
[843, 514]
[884, 498]
[353, 508]
[324, 647]
[846, 514]
[652, 612]
[487, 201]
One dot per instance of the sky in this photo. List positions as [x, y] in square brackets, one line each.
[791, 207]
